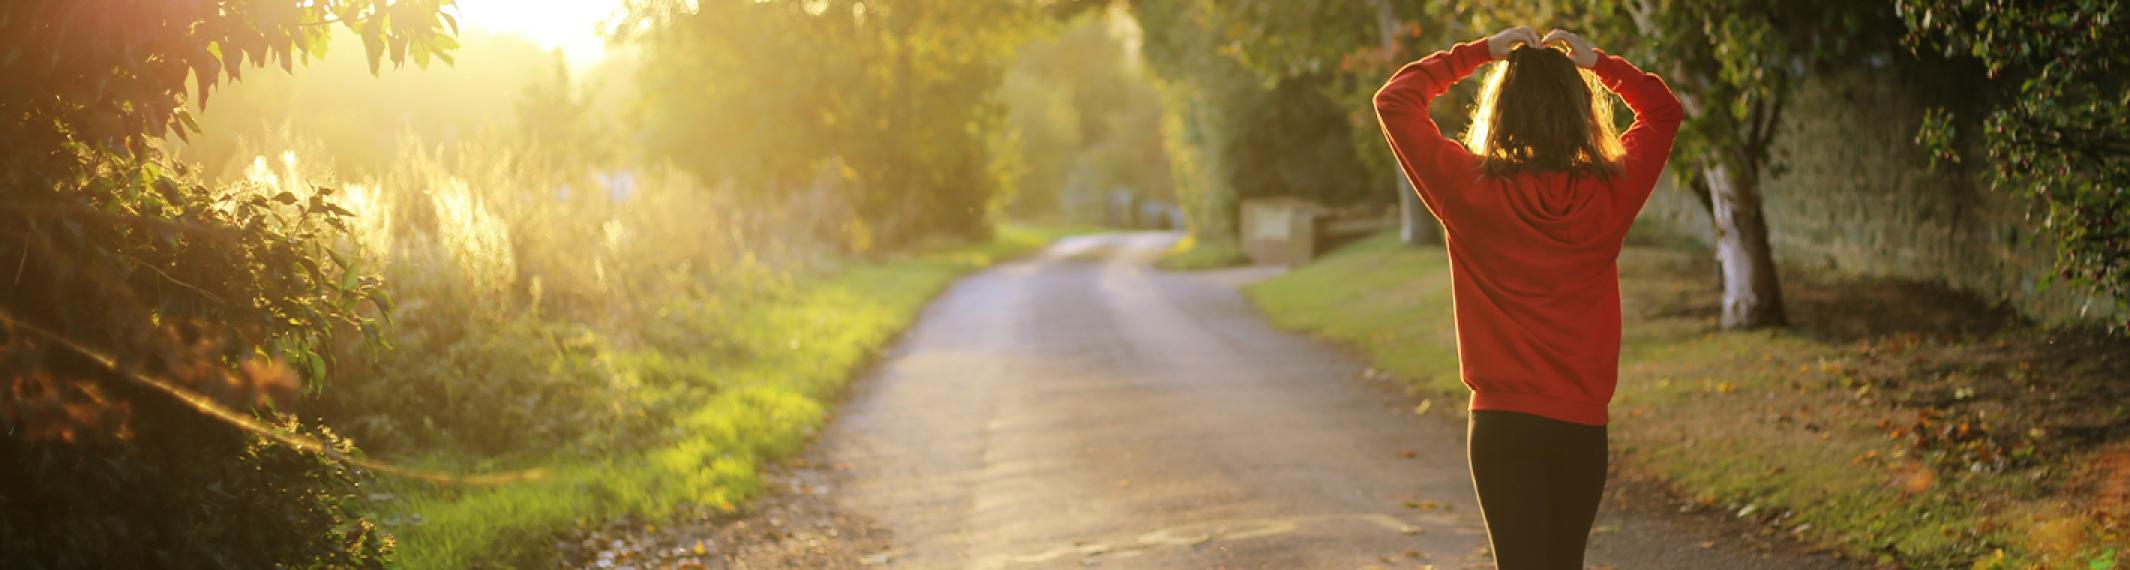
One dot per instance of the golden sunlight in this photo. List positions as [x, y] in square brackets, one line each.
[568, 25]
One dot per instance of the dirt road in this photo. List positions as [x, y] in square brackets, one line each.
[1081, 408]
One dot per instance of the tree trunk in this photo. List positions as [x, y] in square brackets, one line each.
[1752, 293]
[1752, 296]
[1415, 225]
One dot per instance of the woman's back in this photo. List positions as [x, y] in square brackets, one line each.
[1534, 222]
[1534, 211]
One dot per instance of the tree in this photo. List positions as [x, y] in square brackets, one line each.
[1202, 93]
[892, 98]
[116, 249]
[1735, 64]
[144, 313]
[1265, 103]
[1728, 52]
[1344, 50]
[558, 120]
[2059, 139]
[1088, 120]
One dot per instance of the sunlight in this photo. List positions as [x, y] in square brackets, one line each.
[372, 225]
[479, 241]
[467, 284]
[568, 25]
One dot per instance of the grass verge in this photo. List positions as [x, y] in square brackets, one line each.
[795, 354]
[1894, 422]
[1189, 254]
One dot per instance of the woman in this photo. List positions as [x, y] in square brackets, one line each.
[1534, 208]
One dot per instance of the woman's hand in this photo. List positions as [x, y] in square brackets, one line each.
[1579, 49]
[1500, 43]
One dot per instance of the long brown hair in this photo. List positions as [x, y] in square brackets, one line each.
[1541, 113]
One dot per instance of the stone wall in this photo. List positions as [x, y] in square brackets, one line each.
[1852, 193]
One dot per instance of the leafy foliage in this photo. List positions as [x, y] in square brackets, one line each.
[191, 492]
[526, 288]
[358, 118]
[1241, 127]
[1736, 66]
[1200, 90]
[1087, 120]
[183, 283]
[1736, 62]
[888, 100]
[128, 278]
[2061, 138]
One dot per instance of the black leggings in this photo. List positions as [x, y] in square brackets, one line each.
[1539, 481]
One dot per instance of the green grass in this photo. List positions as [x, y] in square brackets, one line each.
[801, 350]
[1774, 420]
[1190, 254]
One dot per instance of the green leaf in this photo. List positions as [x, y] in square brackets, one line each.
[373, 41]
[184, 117]
[316, 367]
[310, 266]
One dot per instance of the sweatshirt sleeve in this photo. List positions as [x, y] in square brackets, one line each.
[1657, 116]
[1439, 168]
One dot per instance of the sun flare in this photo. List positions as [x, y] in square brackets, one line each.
[568, 25]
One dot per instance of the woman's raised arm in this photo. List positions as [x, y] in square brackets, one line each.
[1401, 108]
[1657, 113]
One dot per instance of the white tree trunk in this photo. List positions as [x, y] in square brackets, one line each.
[1752, 295]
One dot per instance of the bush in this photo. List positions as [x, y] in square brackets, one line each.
[490, 389]
[538, 310]
[190, 493]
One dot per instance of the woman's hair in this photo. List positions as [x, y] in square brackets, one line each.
[1541, 113]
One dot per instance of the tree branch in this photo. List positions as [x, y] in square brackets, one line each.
[251, 425]
[166, 276]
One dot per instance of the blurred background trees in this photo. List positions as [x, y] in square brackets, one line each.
[1268, 99]
[887, 103]
[448, 262]
[1325, 62]
[1084, 118]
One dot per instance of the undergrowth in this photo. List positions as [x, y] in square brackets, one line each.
[724, 417]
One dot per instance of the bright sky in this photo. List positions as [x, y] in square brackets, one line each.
[571, 25]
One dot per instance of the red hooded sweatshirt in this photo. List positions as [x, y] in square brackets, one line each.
[1533, 256]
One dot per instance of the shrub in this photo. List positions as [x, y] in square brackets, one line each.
[189, 493]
